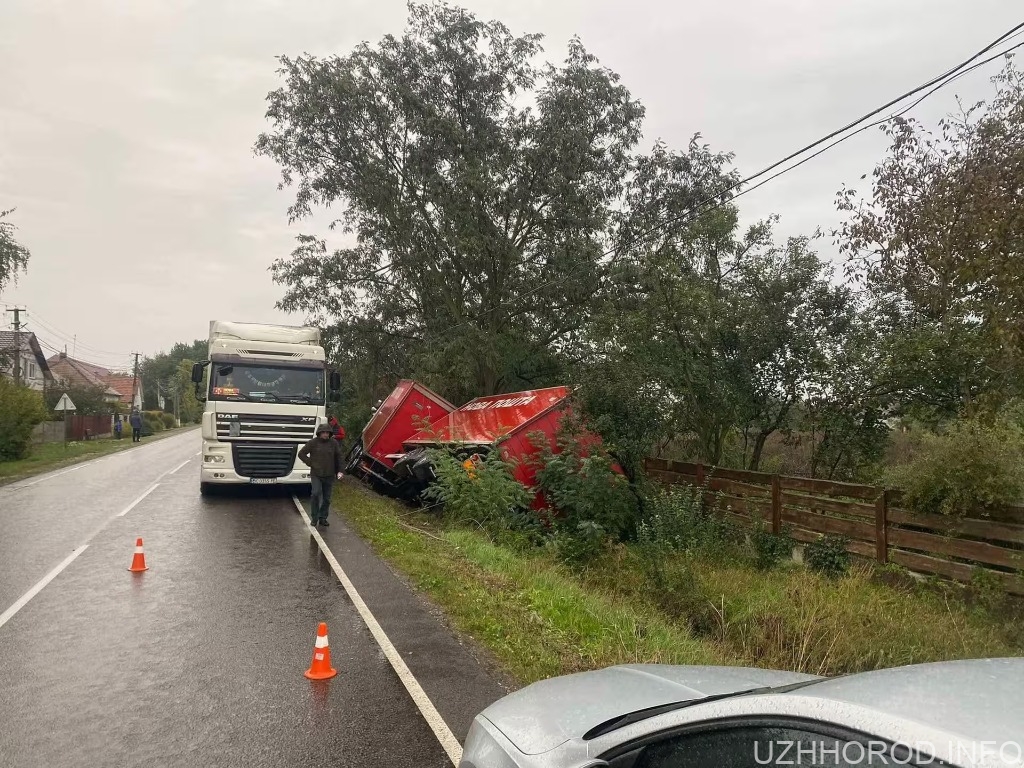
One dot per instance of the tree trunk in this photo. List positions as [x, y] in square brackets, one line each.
[755, 457]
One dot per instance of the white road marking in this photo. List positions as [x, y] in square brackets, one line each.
[131, 506]
[186, 461]
[426, 707]
[38, 587]
[51, 476]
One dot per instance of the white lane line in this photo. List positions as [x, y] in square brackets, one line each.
[38, 587]
[51, 477]
[186, 461]
[131, 506]
[426, 707]
[198, 453]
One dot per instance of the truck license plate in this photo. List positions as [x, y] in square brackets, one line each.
[262, 480]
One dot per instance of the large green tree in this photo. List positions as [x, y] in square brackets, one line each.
[479, 187]
[939, 242]
[159, 373]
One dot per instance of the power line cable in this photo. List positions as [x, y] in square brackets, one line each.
[934, 84]
[72, 338]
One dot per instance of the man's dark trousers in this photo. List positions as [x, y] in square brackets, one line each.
[320, 501]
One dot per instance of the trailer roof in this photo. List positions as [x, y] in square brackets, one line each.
[490, 419]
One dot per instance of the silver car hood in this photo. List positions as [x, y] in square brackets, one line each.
[544, 715]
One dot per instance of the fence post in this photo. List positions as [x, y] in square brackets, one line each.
[882, 527]
[700, 484]
[776, 505]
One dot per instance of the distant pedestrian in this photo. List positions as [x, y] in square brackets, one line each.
[323, 456]
[118, 426]
[339, 431]
[136, 421]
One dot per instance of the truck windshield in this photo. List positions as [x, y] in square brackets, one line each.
[266, 383]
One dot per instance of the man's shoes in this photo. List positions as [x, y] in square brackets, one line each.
[323, 522]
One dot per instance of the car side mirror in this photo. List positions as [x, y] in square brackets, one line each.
[335, 381]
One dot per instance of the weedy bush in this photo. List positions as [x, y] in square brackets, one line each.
[488, 495]
[154, 420]
[580, 545]
[677, 519]
[828, 556]
[21, 409]
[168, 420]
[971, 466]
[580, 482]
[769, 549]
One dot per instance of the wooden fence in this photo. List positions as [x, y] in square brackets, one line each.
[869, 516]
[89, 427]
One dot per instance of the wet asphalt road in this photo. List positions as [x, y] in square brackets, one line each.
[199, 661]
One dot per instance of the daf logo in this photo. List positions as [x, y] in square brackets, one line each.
[227, 415]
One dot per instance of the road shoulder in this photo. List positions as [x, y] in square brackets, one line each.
[460, 677]
[105, 447]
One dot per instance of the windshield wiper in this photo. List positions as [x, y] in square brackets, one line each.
[635, 717]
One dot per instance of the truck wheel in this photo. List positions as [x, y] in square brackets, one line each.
[205, 489]
[354, 455]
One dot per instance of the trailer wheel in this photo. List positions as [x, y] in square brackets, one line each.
[354, 455]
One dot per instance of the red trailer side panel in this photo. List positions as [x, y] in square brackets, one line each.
[399, 416]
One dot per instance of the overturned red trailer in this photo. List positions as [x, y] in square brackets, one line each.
[405, 411]
[395, 457]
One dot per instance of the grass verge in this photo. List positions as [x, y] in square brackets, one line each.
[49, 456]
[540, 619]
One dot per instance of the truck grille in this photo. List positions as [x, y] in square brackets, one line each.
[263, 459]
[251, 427]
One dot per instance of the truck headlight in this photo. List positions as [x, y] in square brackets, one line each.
[213, 459]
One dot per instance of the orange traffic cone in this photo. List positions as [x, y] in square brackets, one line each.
[139, 561]
[321, 668]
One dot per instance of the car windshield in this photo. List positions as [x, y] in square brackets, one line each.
[266, 383]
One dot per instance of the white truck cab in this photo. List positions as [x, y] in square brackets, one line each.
[266, 391]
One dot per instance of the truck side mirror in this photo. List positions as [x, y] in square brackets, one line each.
[197, 373]
[335, 381]
[334, 397]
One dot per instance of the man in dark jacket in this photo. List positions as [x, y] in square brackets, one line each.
[323, 456]
[136, 421]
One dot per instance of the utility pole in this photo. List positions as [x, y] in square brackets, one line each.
[135, 379]
[17, 344]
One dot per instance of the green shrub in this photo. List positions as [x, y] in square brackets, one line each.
[579, 546]
[673, 585]
[580, 481]
[168, 420]
[21, 409]
[769, 548]
[488, 495]
[828, 556]
[153, 420]
[971, 466]
[676, 518]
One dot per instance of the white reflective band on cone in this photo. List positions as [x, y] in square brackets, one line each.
[138, 551]
[321, 642]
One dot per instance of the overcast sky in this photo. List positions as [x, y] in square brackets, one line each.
[126, 128]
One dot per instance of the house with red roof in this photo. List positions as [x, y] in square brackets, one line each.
[120, 389]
